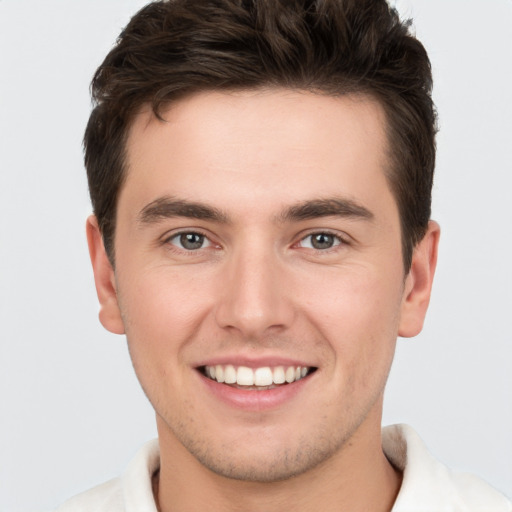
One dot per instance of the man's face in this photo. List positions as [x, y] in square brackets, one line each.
[256, 234]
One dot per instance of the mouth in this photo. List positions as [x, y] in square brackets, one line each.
[256, 379]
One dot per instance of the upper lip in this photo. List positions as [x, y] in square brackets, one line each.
[259, 362]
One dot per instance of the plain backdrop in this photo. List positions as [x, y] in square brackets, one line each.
[71, 411]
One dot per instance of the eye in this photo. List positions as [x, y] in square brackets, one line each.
[320, 241]
[190, 241]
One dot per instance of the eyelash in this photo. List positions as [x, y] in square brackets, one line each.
[338, 241]
[168, 241]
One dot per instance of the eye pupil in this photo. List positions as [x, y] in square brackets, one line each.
[191, 240]
[322, 241]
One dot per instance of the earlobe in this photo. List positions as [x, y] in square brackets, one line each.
[418, 284]
[110, 314]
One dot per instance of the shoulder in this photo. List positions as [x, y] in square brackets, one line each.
[103, 498]
[429, 485]
[131, 492]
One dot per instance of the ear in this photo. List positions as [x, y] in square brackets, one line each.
[104, 278]
[418, 283]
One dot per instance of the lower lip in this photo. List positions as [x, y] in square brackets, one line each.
[252, 399]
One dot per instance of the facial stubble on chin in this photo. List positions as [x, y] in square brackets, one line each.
[282, 465]
[310, 451]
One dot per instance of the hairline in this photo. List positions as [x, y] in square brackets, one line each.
[155, 111]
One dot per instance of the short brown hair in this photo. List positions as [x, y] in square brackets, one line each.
[173, 48]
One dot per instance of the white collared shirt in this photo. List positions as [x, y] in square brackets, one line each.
[427, 486]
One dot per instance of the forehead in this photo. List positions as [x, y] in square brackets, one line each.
[281, 144]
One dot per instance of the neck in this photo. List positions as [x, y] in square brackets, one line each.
[357, 478]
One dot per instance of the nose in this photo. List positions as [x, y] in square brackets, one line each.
[255, 299]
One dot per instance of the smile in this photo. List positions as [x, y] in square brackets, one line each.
[256, 378]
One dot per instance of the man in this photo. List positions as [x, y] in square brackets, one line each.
[261, 178]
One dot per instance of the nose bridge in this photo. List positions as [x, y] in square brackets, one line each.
[254, 298]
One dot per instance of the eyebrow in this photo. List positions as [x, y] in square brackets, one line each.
[334, 206]
[168, 207]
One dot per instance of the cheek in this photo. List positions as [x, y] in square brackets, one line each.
[358, 313]
[358, 299]
[161, 311]
[161, 314]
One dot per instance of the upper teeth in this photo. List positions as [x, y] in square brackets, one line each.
[264, 376]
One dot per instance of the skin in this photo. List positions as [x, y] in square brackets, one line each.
[257, 290]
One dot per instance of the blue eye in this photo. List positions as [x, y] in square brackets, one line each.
[190, 241]
[320, 241]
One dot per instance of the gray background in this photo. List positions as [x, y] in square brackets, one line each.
[71, 412]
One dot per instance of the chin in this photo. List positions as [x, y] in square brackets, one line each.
[265, 462]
